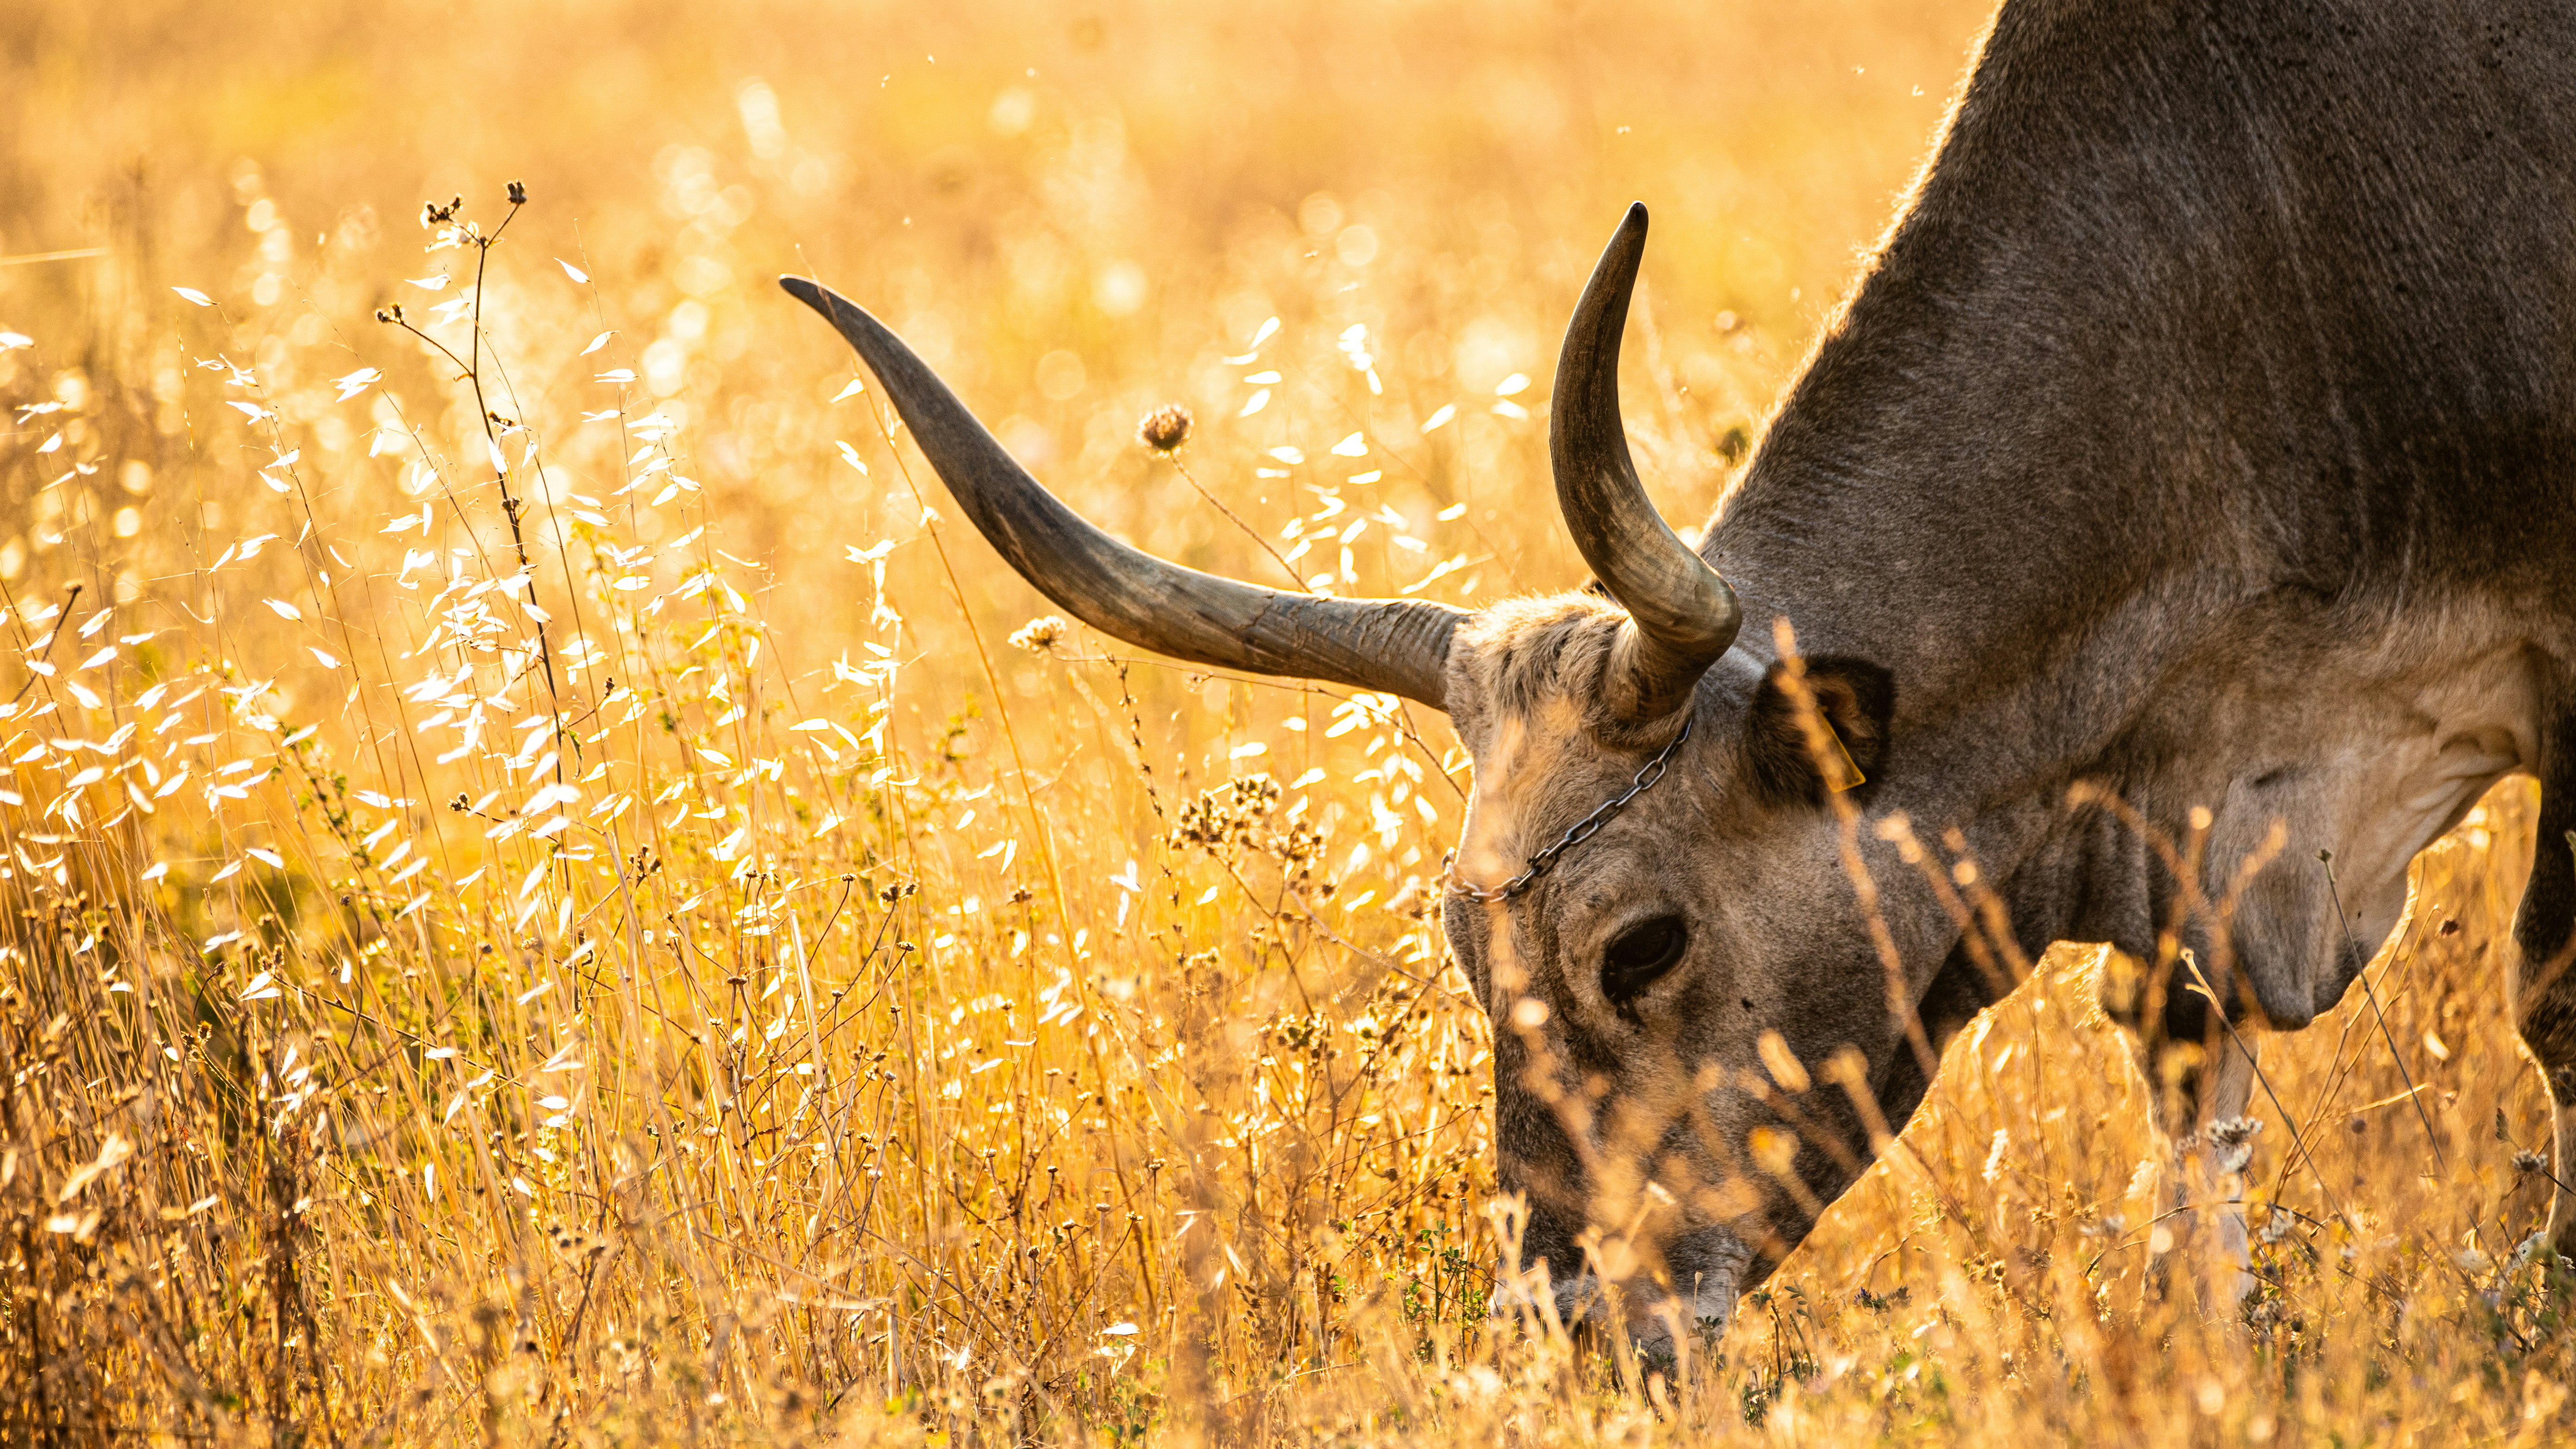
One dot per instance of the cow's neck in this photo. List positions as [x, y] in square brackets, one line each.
[2131, 467]
[2041, 634]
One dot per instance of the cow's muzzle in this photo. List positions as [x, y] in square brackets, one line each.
[1705, 1273]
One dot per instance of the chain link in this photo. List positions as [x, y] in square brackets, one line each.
[1585, 828]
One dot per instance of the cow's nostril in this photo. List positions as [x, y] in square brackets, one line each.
[1640, 955]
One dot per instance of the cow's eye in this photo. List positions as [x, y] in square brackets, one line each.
[1640, 955]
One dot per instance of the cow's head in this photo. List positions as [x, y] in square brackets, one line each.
[1665, 990]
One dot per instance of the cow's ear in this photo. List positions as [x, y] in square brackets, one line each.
[1854, 699]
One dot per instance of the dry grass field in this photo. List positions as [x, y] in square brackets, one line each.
[554, 892]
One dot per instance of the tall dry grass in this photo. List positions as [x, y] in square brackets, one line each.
[542, 907]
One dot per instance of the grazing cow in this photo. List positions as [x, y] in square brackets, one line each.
[2195, 464]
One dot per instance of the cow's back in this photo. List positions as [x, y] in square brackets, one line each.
[2281, 296]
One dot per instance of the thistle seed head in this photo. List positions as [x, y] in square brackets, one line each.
[1040, 636]
[1165, 428]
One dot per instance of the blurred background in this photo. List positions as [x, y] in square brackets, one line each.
[1076, 212]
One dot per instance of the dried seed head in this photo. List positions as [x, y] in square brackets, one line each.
[518, 193]
[2233, 1141]
[2230, 1131]
[2528, 1161]
[1040, 636]
[1165, 428]
[1227, 815]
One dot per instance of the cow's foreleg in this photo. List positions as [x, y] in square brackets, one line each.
[2544, 969]
[2199, 1096]
[2544, 1008]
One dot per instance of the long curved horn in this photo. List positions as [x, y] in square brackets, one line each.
[1399, 646]
[1682, 616]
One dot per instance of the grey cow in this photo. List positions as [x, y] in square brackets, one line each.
[2196, 458]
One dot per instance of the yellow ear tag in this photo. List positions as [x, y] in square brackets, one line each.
[1852, 777]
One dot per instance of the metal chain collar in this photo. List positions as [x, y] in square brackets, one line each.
[1585, 828]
